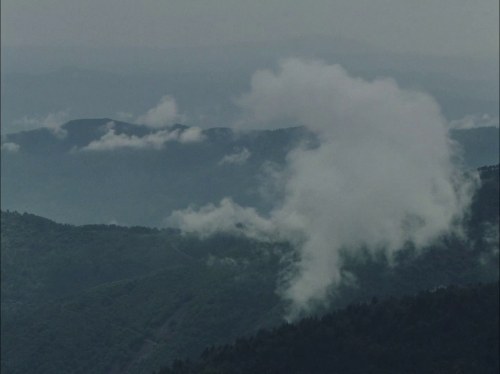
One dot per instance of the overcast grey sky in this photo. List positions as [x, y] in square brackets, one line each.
[457, 27]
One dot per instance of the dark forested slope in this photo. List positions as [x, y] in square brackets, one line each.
[104, 298]
[452, 330]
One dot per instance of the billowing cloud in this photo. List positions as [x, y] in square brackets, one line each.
[381, 176]
[191, 135]
[474, 121]
[10, 147]
[108, 126]
[163, 115]
[111, 140]
[228, 217]
[155, 140]
[236, 158]
[53, 122]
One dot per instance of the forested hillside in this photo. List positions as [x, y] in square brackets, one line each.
[230, 187]
[54, 177]
[105, 298]
[100, 298]
[452, 330]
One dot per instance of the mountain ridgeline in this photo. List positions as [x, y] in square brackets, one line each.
[111, 299]
[52, 176]
[204, 80]
[131, 186]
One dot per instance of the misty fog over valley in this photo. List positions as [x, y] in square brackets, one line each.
[285, 192]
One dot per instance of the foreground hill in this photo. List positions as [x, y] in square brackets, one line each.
[105, 298]
[43, 260]
[452, 330]
[212, 293]
[51, 176]
[135, 325]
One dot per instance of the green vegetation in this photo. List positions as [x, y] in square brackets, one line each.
[42, 259]
[109, 299]
[453, 330]
[179, 298]
[126, 325]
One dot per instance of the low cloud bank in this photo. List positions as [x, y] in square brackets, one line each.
[155, 140]
[10, 147]
[382, 175]
[232, 218]
[52, 122]
[236, 158]
[474, 121]
[191, 135]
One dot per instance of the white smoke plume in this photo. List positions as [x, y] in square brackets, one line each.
[381, 176]
[52, 122]
[163, 115]
[236, 158]
[474, 121]
[155, 140]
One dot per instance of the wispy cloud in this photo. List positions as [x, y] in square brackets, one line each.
[191, 135]
[155, 140]
[108, 126]
[10, 147]
[227, 216]
[236, 158]
[162, 115]
[382, 175]
[474, 121]
[491, 242]
[226, 261]
[53, 122]
[124, 116]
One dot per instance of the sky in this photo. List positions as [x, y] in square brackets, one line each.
[445, 27]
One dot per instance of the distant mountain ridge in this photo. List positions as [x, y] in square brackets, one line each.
[102, 82]
[49, 176]
[134, 186]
